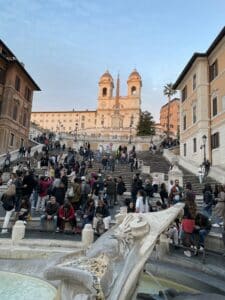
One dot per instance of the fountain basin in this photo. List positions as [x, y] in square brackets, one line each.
[14, 286]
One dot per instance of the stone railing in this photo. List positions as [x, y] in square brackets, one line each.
[215, 172]
[187, 164]
[14, 154]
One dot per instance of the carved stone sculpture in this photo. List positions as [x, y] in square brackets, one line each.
[111, 267]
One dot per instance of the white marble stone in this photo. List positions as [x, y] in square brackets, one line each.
[18, 231]
[145, 169]
[87, 235]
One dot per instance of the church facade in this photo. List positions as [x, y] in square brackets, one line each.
[115, 116]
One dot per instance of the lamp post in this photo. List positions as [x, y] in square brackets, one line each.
[131, 124]
[76, 127]
[204, 138]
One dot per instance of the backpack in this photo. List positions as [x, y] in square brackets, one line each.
[8, 203]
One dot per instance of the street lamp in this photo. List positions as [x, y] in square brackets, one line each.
[76, 127]
[131, 124]
[204, 138]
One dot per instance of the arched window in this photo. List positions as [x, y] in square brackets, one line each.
[133, 90]
[104, 92]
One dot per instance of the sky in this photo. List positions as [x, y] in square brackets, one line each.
[66, 45]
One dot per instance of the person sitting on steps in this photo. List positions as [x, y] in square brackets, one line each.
[101, 214]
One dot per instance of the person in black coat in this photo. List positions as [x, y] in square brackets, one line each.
[59, 193]
[29, 183]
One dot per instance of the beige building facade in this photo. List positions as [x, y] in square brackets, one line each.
[16, 96]
[116, 116]
[202, 108]
[173, 110]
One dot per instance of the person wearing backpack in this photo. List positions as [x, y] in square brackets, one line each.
[208, 200]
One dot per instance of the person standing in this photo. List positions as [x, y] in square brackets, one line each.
[110, 191]
[141, 203]
[176, 193]
[121, 188]
[208, 200]
[220, 208]
[8, 202]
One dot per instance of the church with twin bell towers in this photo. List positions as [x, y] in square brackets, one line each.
[116, 115]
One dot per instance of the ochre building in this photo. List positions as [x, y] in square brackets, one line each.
[171, 110]
[202, 86]
[16, 95]
[116, 116]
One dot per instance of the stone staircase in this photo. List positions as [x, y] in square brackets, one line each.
[120, 170]
[158, 163]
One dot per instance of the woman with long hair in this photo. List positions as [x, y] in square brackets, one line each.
[141, 202]
[188, 221]
[8, 202]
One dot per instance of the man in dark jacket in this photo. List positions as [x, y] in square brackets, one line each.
[51, 212]
[110, 191]
[29, 183]
[120, 189]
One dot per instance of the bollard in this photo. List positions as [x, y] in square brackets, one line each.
[18, 231]
[87, 235]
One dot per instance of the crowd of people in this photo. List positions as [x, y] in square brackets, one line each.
[64, 191]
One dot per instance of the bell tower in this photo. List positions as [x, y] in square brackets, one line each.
[106, 86]
[134, 84]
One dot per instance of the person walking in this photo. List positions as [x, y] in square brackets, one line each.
[8, 202]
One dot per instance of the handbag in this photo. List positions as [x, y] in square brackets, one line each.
[188, 225]
[70, 192]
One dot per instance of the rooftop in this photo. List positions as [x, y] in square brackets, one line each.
[197, 55]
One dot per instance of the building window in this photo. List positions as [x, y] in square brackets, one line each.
[223, 103]
[213, 70]
[2, 76]
[184, 122]
[194, 82]
[194, 115]
[82, 125]
[27, 94]
[83, 118]
[133, 90]
[11, 139]
[17, 83]
[15, 111]
[215, 142]
[214, 106]
[185, 149]
[25, 120]
[104, 92]
[194, 145]
[184, 93]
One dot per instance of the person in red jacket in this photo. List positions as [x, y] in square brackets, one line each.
[43, 196]
[66, 214]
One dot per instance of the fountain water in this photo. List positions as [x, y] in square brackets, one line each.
[19, 287]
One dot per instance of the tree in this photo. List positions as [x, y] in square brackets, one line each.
[146, 125]
[168, 91]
